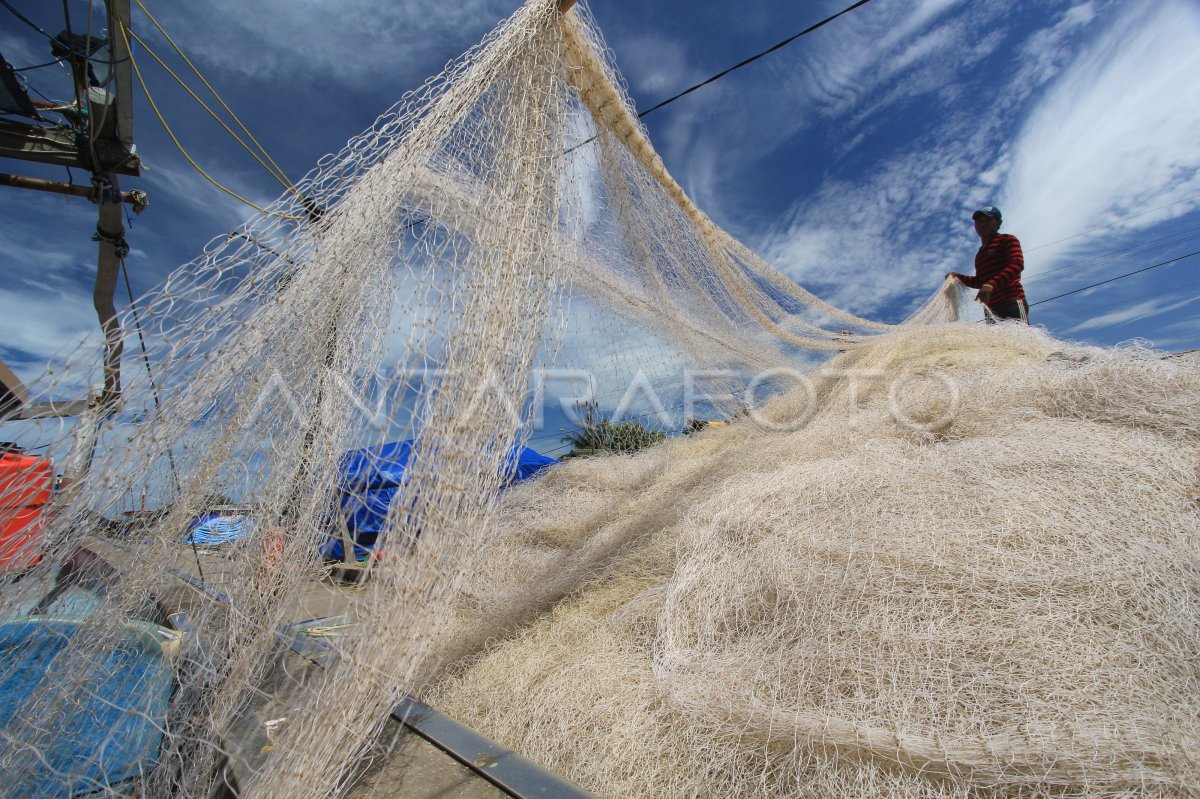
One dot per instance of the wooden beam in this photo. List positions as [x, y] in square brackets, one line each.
[59, 148]
[135, 198]
[51, 410]
[13, 395]
[118, 15]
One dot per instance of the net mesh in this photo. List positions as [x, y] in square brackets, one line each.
[951, 561]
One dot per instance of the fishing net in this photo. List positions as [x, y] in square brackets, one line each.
[972, 574]
[989, 585]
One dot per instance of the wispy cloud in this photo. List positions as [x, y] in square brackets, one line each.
[1103, 118]
[345, 43]
[1133, 313]
[1115, 133]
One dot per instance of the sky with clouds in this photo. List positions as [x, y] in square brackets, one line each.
[851, 159]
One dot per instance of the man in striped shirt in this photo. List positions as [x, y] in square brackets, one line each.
[998, 266]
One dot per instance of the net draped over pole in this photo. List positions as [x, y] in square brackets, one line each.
[722, 594]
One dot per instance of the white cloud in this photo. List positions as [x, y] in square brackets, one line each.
[862, 246]
[63, 328]
[348, 42]
[1133, 313]
[1115, 133]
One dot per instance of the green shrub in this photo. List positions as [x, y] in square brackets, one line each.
[598, 433]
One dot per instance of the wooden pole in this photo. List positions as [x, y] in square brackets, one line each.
[135, 198]
[110, 229]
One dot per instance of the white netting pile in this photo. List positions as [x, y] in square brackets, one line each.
[981, 578]
[998, 591]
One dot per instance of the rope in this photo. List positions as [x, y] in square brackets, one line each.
[207, 85]
[157, 405]
[154, 107]
[278, 176]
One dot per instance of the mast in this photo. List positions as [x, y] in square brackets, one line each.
[101, 142]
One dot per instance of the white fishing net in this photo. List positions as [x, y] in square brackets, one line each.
[997, 590]
[976, 578]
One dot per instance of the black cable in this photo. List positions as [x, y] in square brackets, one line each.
[736, 66]
[25, 19]
[108, 63]
[1110, 224]
[1118, 277]
[1116, 256]
[146, 359]
[38, 66]
[1125, 301]
[157, 405]
[753, 58]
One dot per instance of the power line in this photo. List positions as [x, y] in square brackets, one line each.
[25, 19]
[736, 66]
[1112, 279]
[38, 66]
[1110, 224]
[752, 58]
[1116, 256]
[1153, 294]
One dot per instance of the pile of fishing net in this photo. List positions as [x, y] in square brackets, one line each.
[977, 577]
[961, 558]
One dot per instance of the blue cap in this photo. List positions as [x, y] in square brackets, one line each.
[987, 210]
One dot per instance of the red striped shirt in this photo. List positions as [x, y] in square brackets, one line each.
[999, 262]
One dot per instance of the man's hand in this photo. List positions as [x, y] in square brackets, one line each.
[985, 293]
[955, 275]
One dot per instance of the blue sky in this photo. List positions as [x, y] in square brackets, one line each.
[851, 159]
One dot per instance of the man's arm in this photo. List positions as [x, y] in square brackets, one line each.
[970, 281]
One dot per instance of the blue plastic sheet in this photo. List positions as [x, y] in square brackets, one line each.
[213, 529]
[371, 477]
[110, 735]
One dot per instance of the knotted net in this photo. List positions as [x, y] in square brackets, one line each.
[511, 217]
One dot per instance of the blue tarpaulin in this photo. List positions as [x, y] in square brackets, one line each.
[370, 478]
[110, 735]
[214, 528]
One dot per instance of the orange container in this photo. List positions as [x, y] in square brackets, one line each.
[26, 487]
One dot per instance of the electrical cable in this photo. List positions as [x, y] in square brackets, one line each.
[154, 107]
[208, 86]
[1131, 300]
[1114, 279]
[1110, 224]
[1116, 256]
[725, 72]
[746, 61]
[38, 66]
[25, 19]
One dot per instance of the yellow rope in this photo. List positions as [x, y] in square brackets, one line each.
[184, 152]
[279, 176]
[208, 86]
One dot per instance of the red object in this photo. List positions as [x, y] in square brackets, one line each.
[26, 487]
[999, 262]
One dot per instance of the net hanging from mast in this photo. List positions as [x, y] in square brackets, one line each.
[511, 214]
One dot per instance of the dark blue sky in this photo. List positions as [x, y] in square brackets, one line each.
[851, 159]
